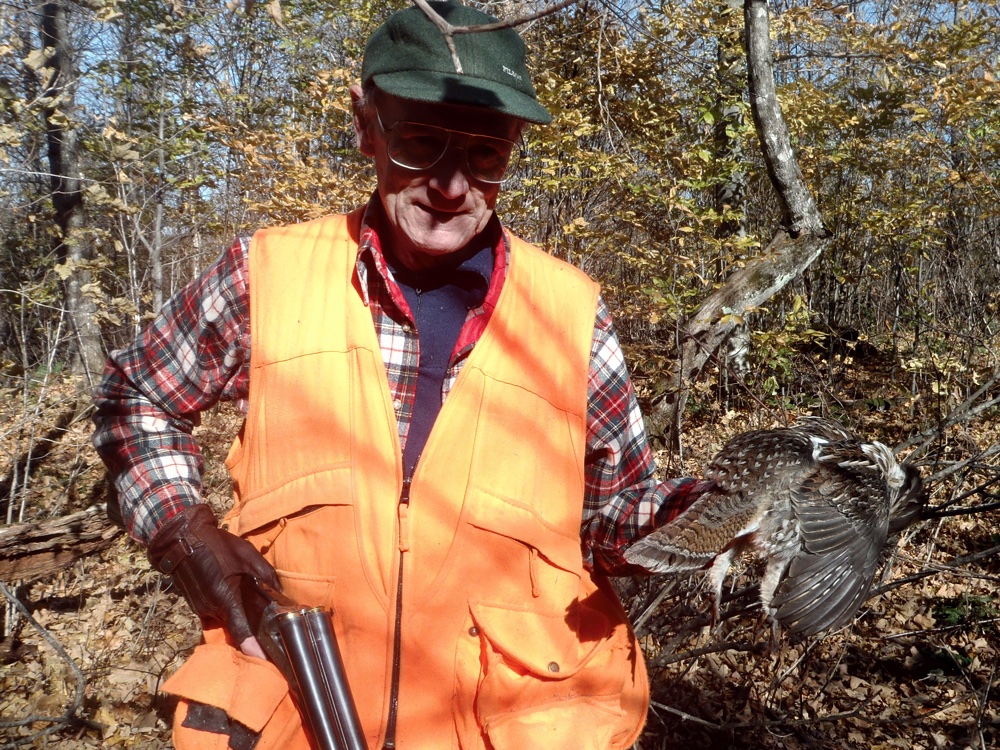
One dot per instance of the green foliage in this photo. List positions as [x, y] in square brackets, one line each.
[199, 122]
[970, 612]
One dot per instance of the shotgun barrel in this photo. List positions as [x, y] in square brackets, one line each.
[301, 642]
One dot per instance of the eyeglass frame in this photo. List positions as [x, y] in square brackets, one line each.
[517, 147]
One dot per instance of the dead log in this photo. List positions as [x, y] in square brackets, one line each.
[33, 550]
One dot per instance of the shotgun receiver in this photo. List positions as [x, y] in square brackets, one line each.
[300, 641]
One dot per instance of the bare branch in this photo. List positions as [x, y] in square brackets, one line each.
[959, 415]
[448, 30]
[955, 562]
[976, 462]
[517, 20]
[799, 212]
[70, 716]
[792, 250]
[942, 510]
[31, 550]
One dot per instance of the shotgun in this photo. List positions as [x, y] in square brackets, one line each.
[300, 641]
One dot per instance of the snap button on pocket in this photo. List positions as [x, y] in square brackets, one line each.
[474, 631]
[553, 667]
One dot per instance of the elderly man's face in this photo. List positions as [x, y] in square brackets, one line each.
[436, 211]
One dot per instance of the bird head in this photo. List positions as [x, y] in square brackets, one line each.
[907, 496]
[907, 502]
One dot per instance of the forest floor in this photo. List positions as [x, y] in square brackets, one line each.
[915, 670]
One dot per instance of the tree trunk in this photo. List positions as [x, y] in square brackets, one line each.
[75, 249]
[802, 239]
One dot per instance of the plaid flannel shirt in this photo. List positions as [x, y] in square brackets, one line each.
[197, 353]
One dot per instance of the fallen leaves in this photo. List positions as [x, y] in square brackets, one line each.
[907, 674]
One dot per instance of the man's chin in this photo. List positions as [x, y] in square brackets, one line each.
[441, 240]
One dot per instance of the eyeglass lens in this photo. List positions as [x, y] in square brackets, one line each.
[418, 146]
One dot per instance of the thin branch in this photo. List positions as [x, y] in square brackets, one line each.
[70, 716]
[800, 214]
[685, 716]
[666, 659]
[960, 414]
[448, 31]
[517, 20]
[957, 466]
[814, 55]
[648, 612]
[951, 565]
[969, 511]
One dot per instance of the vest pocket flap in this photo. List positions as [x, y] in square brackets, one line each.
[247, 689]
[524, 524]
[328, 486]
[554, 646]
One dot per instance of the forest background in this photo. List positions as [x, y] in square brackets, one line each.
[138, 138]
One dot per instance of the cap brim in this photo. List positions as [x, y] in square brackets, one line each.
[427, 86]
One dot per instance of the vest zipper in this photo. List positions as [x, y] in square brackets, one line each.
[390, 725]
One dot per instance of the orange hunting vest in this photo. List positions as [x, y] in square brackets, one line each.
[506, 641]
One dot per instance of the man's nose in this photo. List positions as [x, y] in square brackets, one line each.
[450, 176]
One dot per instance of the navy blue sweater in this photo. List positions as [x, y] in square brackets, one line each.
[440, 300]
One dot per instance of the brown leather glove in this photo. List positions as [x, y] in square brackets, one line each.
[207, 563]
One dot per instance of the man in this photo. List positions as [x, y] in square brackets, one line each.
[441, 439]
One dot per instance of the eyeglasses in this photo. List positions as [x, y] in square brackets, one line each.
[417, 146]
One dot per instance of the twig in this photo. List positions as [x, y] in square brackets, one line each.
[70, 716]
[978, 490]
[852, 714]
[928, 631]
[955, 562]
[940, 513]
[647, 613]
[666, 660]
[960, 414]
[983, 705]
[517, 20]
[959, 465]
[448, 31]
[685, 716]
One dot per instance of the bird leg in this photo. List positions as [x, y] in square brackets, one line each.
[773, 575]
[716, 577]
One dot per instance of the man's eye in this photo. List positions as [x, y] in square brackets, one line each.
[489, 153]
[422, 138]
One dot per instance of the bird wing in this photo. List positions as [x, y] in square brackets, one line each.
[841, 511]
[692, 540]
[827, 429]
[748, 474]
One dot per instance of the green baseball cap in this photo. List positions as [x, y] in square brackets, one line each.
[408, 57]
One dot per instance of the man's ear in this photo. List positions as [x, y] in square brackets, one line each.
[363, 123]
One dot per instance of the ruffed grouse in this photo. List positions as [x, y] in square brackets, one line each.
[815, 500]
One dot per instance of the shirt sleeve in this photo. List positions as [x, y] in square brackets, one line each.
[624, 500]
[194, 354]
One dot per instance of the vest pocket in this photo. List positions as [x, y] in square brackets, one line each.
[546, 679]
[551, 646]
[251, 692]
[299, 549]
[578, 724]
